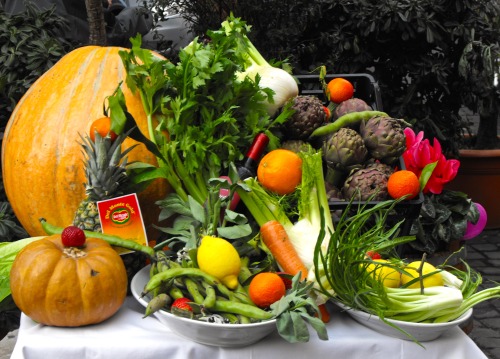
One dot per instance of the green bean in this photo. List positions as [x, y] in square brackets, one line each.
[162, 261]
[210, 297]
[225, 291]
[243, 298]
[230, 317]
[349, 119]
[193, 290]
[176, 293]
[172, 273]
[157, 303]
[250, 311]
[244, 319]
[153, 269]
[245, 272]
[112, 240]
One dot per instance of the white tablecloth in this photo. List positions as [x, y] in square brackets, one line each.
[128, 335]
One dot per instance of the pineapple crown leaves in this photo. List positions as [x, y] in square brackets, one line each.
[105, 166]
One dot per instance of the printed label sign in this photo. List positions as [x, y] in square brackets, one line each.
[122, 217]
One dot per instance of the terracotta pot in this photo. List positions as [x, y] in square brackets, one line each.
[479, 178]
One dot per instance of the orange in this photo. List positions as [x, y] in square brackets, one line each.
[339, 89]
[102, 126]
[403, 183]
[266, 288]
[280, 171]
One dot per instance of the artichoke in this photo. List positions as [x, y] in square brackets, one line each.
[382, 167]
[295, 145]
[344, 150]
[366, 184]
[309, 115]
[384, 138]
[352, 105]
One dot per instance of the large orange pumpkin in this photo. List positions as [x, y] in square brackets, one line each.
[68, 286]
[41, 155]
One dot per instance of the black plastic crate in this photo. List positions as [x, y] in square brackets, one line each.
[365, 87]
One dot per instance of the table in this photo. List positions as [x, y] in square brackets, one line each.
[128, 335]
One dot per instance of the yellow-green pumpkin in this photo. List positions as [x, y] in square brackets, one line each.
[42, 157]
[68, 286]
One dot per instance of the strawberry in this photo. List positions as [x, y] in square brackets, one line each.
[182, 304]
[373, 255]
[73, 236]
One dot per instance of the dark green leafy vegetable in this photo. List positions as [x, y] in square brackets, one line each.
[210, 114]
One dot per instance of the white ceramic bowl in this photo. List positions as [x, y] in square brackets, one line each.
[222, 335]
[422, 332]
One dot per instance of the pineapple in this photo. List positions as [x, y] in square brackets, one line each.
[106, 177]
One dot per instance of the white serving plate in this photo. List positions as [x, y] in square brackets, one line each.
[422, 332]
[222, 335]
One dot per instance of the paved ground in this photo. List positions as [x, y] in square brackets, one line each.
[483, 254]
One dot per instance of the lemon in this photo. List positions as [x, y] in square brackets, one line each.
[219, 258]
[434, 280]
[389, 276]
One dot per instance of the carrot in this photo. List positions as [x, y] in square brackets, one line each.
[325, 314]
[276, 239]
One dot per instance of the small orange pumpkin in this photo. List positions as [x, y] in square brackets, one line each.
[68, 286]
[42, 154]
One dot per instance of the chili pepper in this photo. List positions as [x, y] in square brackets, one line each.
[349, 119]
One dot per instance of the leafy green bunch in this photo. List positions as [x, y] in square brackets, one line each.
[202, 117]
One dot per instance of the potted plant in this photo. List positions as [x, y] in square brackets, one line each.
[447, 218]
[480, 154]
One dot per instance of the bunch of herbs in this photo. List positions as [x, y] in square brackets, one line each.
[201, 117]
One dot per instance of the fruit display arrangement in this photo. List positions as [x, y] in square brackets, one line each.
[236, 235]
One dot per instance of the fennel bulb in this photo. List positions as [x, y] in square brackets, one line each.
[282, 84]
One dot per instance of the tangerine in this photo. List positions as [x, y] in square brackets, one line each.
[103, 127]
[340, 89]
[403, 183]
[280, 171]
[266, 288]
